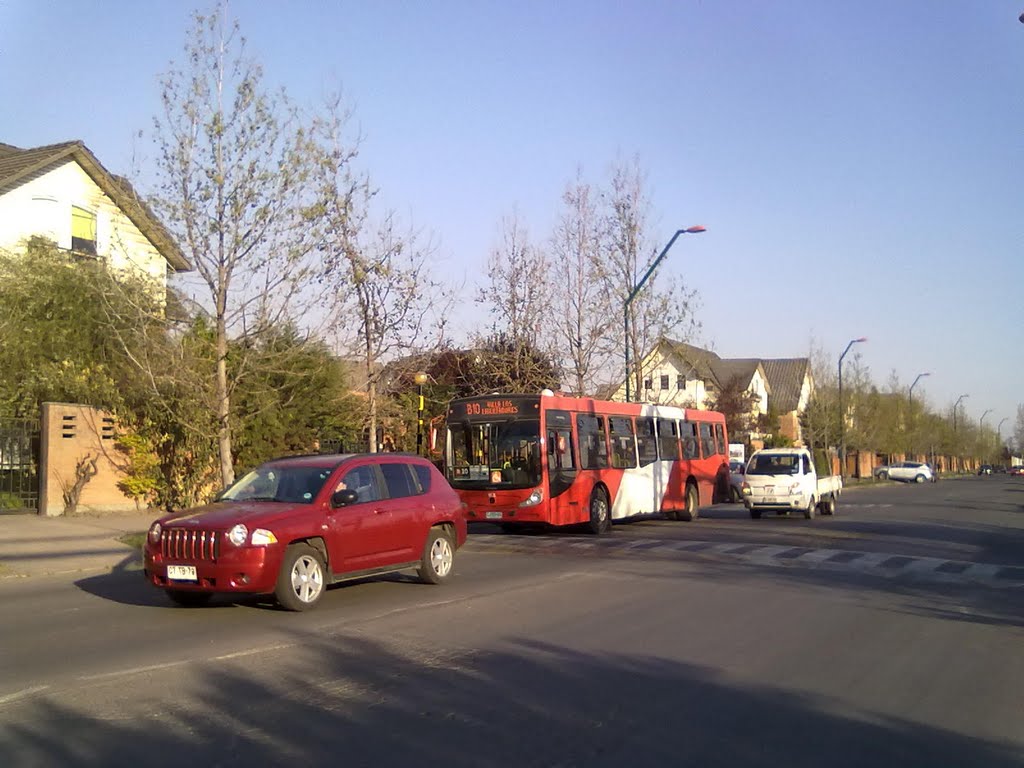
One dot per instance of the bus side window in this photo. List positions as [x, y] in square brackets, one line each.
[707, 440]
[689, 439]
[646, 442]
[593, 448]
[623, 443]
[720, 439]
[668, 440]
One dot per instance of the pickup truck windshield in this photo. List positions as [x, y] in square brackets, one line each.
[774, 464]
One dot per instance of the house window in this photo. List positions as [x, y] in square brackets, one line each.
[83, 230]
[680, 382]
[647, 383]
[664, 381]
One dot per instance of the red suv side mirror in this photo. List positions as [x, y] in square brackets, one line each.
[343, 497]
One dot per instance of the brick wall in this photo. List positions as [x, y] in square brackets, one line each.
[73, 436]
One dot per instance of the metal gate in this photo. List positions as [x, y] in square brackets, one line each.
[19, 465]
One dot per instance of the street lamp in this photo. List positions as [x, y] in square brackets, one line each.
[986, 413]
[919, 377]
[420, 378]
[999, 429]
[955, 405]
[636, 289]
[842, 415]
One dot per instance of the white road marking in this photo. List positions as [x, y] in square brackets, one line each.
[21, 694]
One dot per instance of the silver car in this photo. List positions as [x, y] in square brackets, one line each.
[906, 471]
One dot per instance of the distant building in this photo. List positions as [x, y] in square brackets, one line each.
[677, 373]
[61, 192]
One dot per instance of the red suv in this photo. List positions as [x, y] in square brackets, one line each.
[295, 525]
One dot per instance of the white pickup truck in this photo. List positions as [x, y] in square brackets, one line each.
[783, 479]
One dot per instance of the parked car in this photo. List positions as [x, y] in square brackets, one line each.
[737, 472]
[906, 471]
[295, 525]
[985, 469]
[1018, 470]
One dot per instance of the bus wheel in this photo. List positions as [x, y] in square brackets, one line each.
[690, 513]
[600, 515]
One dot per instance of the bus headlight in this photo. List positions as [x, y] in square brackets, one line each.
[533, 499]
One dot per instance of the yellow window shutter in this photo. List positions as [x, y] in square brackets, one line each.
[83, 224]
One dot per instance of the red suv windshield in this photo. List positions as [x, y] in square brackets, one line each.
[280, 483]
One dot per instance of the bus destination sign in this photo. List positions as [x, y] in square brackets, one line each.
[484, 408]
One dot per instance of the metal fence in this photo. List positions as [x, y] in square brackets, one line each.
[19, 465]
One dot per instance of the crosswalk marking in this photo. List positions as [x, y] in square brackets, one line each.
[885, 564]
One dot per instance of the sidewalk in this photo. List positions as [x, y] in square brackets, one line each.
[31, 545]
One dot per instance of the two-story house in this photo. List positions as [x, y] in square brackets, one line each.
[63, 193]
[680, 374]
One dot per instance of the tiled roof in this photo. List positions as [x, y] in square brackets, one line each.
[739, 369]
[786, 377]
[17, 164]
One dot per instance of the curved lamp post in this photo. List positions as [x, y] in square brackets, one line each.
[986, 413]
[955, 406]
[636, 289]
[919, 377]
[842, 414]
[420, 377]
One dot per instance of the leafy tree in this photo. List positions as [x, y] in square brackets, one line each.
[737, 404]
[60, 337]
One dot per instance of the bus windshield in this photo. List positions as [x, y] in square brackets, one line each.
[500, 454]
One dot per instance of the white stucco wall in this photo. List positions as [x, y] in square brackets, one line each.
[42, 206]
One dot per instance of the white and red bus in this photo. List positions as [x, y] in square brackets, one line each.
[528, 459]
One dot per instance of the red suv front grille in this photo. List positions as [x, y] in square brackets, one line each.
[189, 544]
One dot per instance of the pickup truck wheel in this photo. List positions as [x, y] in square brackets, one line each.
[691, 511]
[828, 506]
[187, 599]
[438, 557]
[301, 582]
[812, 507]
[755, 514]
[600, 514]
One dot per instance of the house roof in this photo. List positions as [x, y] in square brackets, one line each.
[699, 360]
[786, 377]
[740, 370]
[17, 165]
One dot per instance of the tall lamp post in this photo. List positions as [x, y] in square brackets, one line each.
[636, 289]
[919, 377]
[986, 413]
[955, 406]
[842, 413]
[999, 429]
[911, 407]
[420, 378]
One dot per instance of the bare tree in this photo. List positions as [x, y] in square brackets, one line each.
[387, 304]
[234, 163]
[518, 297]
[660, 309]
[583, 314]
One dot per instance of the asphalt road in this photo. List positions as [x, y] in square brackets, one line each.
[888, 635]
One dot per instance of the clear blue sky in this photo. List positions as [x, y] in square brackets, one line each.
[858, 165]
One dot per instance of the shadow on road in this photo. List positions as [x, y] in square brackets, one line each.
[531, 705]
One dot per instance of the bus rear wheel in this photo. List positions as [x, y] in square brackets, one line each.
[600, 513]
[690, 511]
